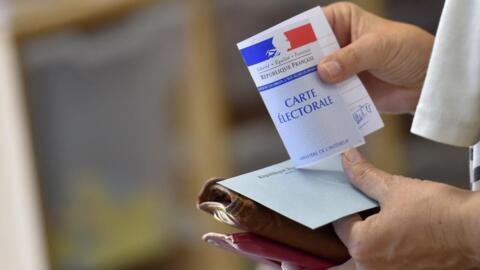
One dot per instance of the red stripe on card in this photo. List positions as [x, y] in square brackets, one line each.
[300, 36]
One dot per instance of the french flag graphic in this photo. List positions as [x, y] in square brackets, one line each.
[274, 46]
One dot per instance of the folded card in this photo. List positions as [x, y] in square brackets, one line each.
[315, 120]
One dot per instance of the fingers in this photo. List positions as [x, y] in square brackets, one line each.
[390, 98]
[349, 265]
[339, 16]
[362, 50]
[374, 182]
[346, 228]
[368, 52]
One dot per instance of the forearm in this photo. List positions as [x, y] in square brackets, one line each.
[472, 226]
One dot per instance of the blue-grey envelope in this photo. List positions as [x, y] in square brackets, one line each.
[313, 197]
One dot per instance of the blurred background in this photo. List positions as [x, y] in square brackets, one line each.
[133, 104]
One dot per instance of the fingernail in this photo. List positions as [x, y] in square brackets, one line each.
[331, 68]
[352, 155]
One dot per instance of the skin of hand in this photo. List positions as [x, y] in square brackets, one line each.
[421, 224]
[390, 57]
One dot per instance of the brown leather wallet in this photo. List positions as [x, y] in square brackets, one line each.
[236, 210]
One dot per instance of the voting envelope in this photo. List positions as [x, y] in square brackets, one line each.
[312, 198]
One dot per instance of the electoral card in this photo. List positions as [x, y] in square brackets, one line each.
[315, 120]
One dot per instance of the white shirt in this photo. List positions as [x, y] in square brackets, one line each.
[449, 106]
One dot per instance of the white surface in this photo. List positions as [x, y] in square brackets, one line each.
[21, 245]
[476, 186]
[449, 107]
[475, 163]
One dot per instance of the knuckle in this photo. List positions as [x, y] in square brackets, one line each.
[364, 171]
[361, 246]
[359, 252]
[383, 42]
[346, 6]
[366, 239]
[377, 40]
[395, 181]
[352, 54]
[381, 47]
[350, 59]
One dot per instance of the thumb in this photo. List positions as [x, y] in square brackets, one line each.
[363, 54]
[349, 265]
[374, 182]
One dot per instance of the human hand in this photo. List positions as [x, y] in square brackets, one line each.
[392, 56]
[421, 224]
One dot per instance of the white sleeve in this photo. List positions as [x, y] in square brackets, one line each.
[449, 107]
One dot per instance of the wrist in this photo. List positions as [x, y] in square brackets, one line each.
[471, 224]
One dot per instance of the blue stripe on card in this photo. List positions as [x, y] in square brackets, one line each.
[259, 52]
[287, 79]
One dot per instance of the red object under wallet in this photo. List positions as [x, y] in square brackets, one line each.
[266, 251]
